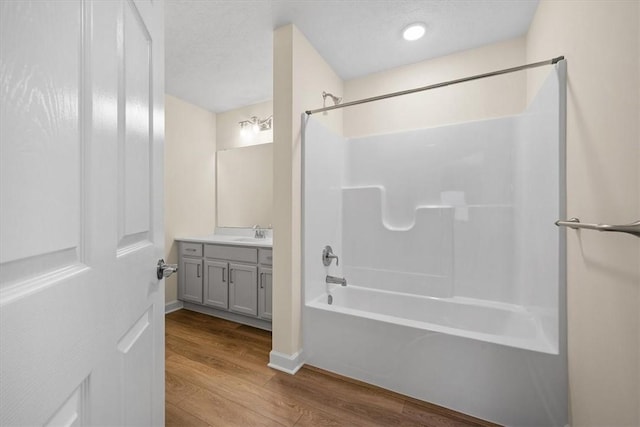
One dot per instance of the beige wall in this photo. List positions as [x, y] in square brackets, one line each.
[492, 97]
[300, 76]
[228, 127]
[600, 41]
[189, 177]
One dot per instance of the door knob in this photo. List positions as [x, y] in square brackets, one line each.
[165, 270]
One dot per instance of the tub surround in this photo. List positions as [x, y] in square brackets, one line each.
[447, 240]
[228, 275]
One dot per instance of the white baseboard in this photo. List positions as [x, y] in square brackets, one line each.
[286, 363]
[174, 305]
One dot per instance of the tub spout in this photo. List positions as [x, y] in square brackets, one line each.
[337, 280]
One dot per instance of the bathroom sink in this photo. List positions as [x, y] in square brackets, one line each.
[251, 240]
[247, 239]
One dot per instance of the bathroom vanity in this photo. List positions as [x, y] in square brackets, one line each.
[228, 277]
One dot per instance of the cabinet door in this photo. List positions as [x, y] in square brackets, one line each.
[216, 290]
[243, 289]
[191, 283]
[264, 293]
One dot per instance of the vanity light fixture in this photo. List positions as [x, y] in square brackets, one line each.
[255, 125]
[414, 31]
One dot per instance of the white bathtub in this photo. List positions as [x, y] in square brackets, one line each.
[471, 356]
[493, 322]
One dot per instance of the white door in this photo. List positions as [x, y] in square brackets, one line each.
[81, 152]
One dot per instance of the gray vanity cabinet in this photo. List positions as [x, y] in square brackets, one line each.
[190, 272]
[216, 290]
[232, 278]
[228, 281]
[243, 297]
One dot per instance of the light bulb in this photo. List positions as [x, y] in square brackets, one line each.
[414, 31]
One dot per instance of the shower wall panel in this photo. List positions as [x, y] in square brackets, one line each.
[323, 163]
[436, 202]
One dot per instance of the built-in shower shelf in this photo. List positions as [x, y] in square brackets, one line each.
[375, 196]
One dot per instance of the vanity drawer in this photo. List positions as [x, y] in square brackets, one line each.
[265, 256]
[191, 249]
[232, 253]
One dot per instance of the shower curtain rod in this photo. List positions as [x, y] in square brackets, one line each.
[437, 85]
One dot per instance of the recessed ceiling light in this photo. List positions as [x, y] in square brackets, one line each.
[414, 31]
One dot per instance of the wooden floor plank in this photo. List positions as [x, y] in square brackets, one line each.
[423, 413]
[217, 375]
[315, 417]
[239, 334]
[176, 388]
[353, 392]
[256, 371]
[176, 417]
[226, 328]
[201, 320]
[280, 408]
[220, 411]
[327, 400]
[231, 344]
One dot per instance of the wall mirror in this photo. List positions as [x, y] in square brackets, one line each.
[244, 186]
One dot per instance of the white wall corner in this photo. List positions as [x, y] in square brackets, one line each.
[172, 306]
[286, 363]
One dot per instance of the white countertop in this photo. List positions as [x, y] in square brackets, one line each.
[222, 239]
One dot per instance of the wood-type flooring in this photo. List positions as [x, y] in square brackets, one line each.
[217, 375]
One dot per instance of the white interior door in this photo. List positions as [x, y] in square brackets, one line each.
[81, 152]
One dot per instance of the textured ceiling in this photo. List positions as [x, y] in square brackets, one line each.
[219, 53]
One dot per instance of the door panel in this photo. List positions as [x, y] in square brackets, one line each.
[265, 293]
[42, 155]
[216, 290]
[191, 283]
[243, 289]
[134, 151]
[81, 311]
[73, 411]
[134, 348]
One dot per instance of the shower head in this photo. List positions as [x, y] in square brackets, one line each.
[336, 99]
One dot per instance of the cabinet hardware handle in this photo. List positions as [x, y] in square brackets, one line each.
[198, 271]
[223, 269]
[191, 249]
[231, 275]
[261, 283]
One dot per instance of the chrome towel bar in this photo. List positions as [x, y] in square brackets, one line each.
[633, 228]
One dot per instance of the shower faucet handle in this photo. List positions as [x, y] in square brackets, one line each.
[328, 256]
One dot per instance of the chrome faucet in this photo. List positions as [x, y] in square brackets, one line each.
[328, 256]
[337, 280]
[259, 232]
